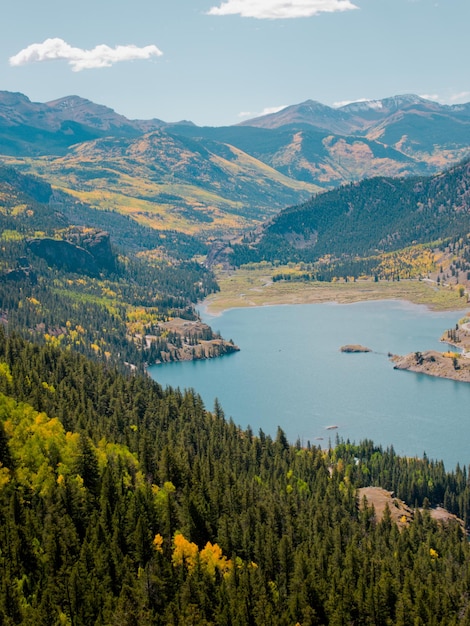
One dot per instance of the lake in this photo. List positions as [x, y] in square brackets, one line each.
[291, 373]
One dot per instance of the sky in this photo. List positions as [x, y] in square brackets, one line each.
[219, 62]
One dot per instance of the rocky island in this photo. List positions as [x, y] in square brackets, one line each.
[352, 348]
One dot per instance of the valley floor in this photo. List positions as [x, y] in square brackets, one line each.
[254, 287]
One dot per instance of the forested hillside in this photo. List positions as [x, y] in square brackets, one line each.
[377, 215]
[65, 281]
[121, 502]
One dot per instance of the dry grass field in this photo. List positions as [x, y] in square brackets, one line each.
[254, 287]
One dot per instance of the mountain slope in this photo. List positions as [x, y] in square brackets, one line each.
[63, 282]
[308, 154]
[125, 503]
[169, 181]
[369, 217]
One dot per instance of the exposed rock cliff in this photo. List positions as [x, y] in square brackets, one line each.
[65, 255]
[83, 250]
[98, 244]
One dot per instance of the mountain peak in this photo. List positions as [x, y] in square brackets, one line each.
[71, 102]
[307, 113]
[70, 107]
[302, 113]
[387, 105]
[11, 98]
[311, 105]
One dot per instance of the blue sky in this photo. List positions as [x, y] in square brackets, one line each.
[217, 62]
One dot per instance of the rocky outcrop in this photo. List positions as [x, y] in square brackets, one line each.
[64, 255]
[20, 274]
[201, 350]
[399, 511]
[442, 364]
[186, 340]
[97, 243]
[84, 251]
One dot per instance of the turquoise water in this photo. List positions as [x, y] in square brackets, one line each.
[291, 373]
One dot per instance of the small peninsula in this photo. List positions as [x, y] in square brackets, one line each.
[442, 364]
[454, 365]
[188, 340]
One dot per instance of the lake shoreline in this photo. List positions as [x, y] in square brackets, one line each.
[291, 373]
[416, 292]
[254, 288]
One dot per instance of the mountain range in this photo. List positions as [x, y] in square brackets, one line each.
[216, 180]
[361, 116]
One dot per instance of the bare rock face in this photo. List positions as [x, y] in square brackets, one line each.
[97, 243]
[192, 340]
[83, 250]
[64, 255]
[20, 274]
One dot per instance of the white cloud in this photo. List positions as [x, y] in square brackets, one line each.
[460, 98]
[265, 111]
[429, 96]
[343, 103]
[280, 9]
[101, 56]
[269, 110]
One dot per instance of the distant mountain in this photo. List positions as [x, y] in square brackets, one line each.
[145, 169]
[373, 216]
[312, 155]
[34, 128]
[98, 116]
[311, 113]
[356, 117]
[422, 129]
